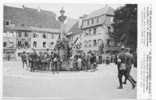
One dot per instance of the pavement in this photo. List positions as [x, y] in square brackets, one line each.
[66, 85]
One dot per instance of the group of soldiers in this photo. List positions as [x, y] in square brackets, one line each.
[83, 61]
[41, 61]
[52, 61]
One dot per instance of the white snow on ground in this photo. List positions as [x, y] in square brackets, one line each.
[103, 83]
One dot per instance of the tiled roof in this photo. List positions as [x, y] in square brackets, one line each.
[19, 28]
[106, 10]
[75, 29]
[69, 24]
[31, 17]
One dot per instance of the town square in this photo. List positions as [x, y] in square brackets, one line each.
[49, 54]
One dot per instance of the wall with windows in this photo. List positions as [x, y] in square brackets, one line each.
[9, 44]
[93, 37]
[43, 40]
[97, 20]
[23, 39]
[96, 29]
[9, 39]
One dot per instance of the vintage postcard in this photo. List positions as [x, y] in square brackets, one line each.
[76, 51]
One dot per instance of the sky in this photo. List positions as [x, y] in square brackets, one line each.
[72, 10]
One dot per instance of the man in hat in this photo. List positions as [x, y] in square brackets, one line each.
[33, 59]
[129, 62]
[24, 58]
[123, 69]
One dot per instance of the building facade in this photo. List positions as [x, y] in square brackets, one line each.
[32, 28]
[9, 44]
[44, 39]
[95, 28]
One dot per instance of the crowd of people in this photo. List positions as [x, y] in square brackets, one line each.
[53, 62]
[84, 61]
[81, 62]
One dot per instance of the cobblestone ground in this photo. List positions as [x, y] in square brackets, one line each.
[103, 83]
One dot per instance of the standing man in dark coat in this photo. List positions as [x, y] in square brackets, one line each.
[129, 62]
[123, 69]
[24, 58]
[34, 58]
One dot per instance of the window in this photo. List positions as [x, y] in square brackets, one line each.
[97, 20]
[44, 44]
[94, 43]
[44, 35]
[94, 31]
[23, 33]
[111, 20]
[4, 44]
[26, 34]
[26, 45]
[7, 22]
[90, 44]
[109, 28]
[19, 34]
[86, 33]
[90, 31]
[52, 43]
[34, 35]
[92, 20]
[85, 43]
[82, 23]
[34, 44]
[100, 41]
[19, 45]
[87, 22]
[108, 42]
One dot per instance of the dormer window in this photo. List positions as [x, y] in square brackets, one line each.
[87, 22]
[92, 20]
[34, 35]
[7, 22]
[26, 34]
[97, 19]
[44, 44]
[44, 35]
[4, 44]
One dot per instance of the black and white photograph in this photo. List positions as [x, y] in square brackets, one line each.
[70, 51]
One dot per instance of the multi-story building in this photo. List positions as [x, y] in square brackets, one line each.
[95, 28]
[34, 28]
[9, 44]
[43, 39]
